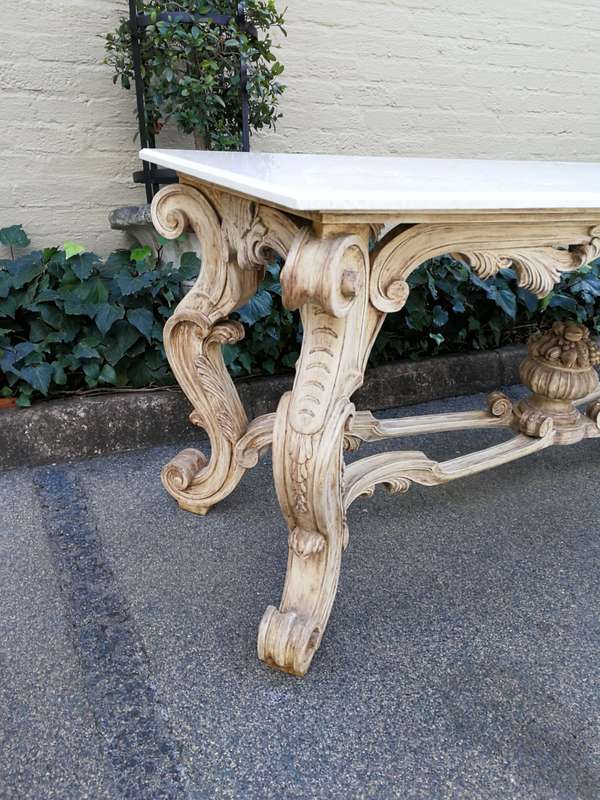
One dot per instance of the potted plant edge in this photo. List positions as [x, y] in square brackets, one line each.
[191, 76]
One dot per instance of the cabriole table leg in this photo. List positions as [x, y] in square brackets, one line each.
[327, 278]
[237, 238]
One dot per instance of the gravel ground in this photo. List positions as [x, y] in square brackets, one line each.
[462, 659]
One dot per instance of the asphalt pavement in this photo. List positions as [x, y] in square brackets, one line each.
[462, 658]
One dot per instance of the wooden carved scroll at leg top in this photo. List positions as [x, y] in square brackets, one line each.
[237, 237]
[327, 278]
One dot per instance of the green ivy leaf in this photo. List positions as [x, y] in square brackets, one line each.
[38, 330]
[25, 269]
[24, 397]
[563, 301]
[245, 360]
[139, 254]
[83, 264]
[256, 308]
[116, 261]
[107, 375]
[91, 370]
[123, 336]
[5, 283]
[106, 315]
[189, 266]
[51, 314]
[70, 329]
[8, 307]
[14, 236]
[230, 353]
[74, 306]
[529, 300]
[96, 293]
[23, 349]
[72, 249]
[59, 376]
[440, 316]
[507, 301]
[142, 319]
[38, 377]
[83, 350]
[131, 284]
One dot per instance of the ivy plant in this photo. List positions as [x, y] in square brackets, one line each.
[69, 320]
[191, 72]
[449, 310]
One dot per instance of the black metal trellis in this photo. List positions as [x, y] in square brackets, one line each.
[152, 176]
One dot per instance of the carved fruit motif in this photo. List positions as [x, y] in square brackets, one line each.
[560, 364]
[566, 345]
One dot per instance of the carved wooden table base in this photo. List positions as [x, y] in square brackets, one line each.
[344, 290]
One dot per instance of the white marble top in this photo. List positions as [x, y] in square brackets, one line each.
[370, 183]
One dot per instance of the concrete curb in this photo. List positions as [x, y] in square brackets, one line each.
[65, 430]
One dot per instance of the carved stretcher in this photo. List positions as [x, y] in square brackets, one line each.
[320, 213]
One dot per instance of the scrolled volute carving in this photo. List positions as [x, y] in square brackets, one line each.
[499, 405]
[173, 210]
[339, 279]
[288, 640]
[181, 470]
[535, 423]
[593, 412]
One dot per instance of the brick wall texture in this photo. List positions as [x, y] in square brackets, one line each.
[469, 78]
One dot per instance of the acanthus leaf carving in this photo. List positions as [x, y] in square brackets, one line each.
[251, 233]
[301, 453]
[395, 470]
[255, 441]
[540, 253]
[398, 470]
[538, 269]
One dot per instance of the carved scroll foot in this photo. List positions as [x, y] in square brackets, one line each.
[288, 641]
[308, 472]
[178, 475]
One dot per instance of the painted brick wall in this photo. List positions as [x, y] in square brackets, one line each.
[487, 78]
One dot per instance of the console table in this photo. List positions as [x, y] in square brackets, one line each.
[320, 213]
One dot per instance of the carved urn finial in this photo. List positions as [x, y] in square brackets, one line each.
[560, 369]
[561, 363]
